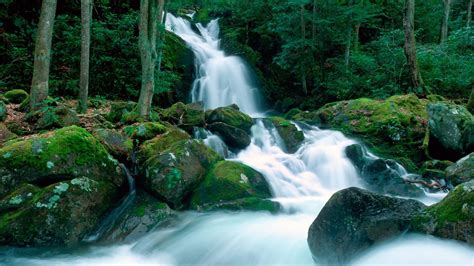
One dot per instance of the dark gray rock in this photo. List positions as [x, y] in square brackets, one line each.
[232, 136]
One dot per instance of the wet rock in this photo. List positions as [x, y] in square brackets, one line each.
[232, 136]
[290, 135]
[144, 131]
[161, 142]
[354, 220]
[234, 186]
[462, 171]
[117, 144]
[185, 116]
[451, 131]
[174, 173]
[231, 116]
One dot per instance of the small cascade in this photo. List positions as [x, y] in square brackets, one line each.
[109, 221]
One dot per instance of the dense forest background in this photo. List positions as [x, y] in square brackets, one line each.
[305, 53]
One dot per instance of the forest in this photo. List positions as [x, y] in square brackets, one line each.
[236, 132]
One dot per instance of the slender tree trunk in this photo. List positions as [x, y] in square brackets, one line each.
[356, 37]
[42, 54]
[347, 53]
[444, 23]
[86, 20]
[409, 47]
[303, 37]
[469, 14]
[150, 16]
[313, 24]
[470, 103]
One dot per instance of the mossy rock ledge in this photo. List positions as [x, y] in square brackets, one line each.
[233, 186]
[291, 136]
[64, 180]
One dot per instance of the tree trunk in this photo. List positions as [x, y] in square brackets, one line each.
[409, 47]
[347, 53]
[444, 23]
[303, 37]
[150, 16]
[313, 24]
[42, 54]
[356, 37]
[470, 103]
[86, 20]
[469, 14]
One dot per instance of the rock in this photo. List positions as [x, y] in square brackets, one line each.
[16, 96]
[60, 155]
[232, 136]
[5, 134]
[117, 144]
[3, 111]
[174, 173]
[144, 214]
[381, 175]
[56, 117]
[451, 131]
[354, 220]
[394, 128]
[290, 135]
[183, 115]
[144, 131]
[119, 109]
[462, 171]
[235, 186]
[452, 218]
[230, 116]
[161, 142]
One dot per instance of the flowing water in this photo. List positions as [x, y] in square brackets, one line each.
[301, 182]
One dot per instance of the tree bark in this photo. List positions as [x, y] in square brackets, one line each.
[42, 54]
[151, 13]
[303, 37]
[444, 23]
[410, 47]
[86, 20]
[356, 37]
[469, 14]
[470, 103]
[347, 53]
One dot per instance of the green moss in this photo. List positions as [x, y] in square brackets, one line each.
[145, 131]
[280, 121]
[3, 111]
[16, 96]
[162, 142]
[453, 207]
[231, 116]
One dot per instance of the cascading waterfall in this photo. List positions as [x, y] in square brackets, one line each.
[221, 80]
[302, 182]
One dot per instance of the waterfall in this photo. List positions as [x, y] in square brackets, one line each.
[220, 80]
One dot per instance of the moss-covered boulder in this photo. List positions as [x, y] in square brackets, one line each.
[56, 156]
[16, 96]
[117, 144]
[175, 172]
[451, 218]
[61, 213]
[144, 214]
[55, 117]
[230, 115]
[234, 186]
[183, 115]
[451, 131]
[119, 109]
[394, 128]
[5, 134]
[461, 171]
[161, 142]
[288, 132]
[144, 131]
[3, 111]
[234, 137]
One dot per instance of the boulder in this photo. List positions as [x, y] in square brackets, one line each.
[56, 117]
[144, 131]
[5, 134]
[174, 173]
[354, 220]
[183, 115]
[144, 214]
[288, 132]
[393, 128]
[117, 144]
[234, 186]
[452, 218]
[451, 131]
[16, 96]
[381, 175]
[119, 109]
[462, 171]
[231, 116]
[63, 180]
[161, 142]
[3, 111]
[232, 136]
[56, 156]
